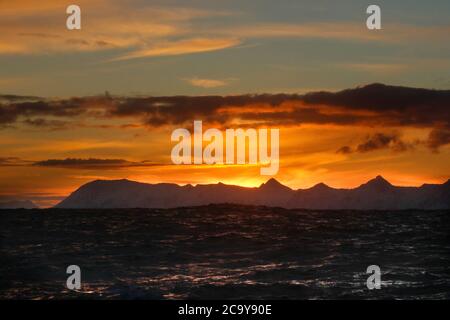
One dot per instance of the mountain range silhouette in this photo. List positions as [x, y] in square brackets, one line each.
[376, 194]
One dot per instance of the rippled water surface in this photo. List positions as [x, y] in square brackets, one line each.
[224, 251]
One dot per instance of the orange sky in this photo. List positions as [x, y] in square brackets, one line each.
[231, 64]
[307, 156]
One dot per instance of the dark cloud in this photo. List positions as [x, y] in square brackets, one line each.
[379, 141]
[390, 105]
[437, 138]
[15, 98]
[41, 122]
[93, 163]
[11, 112]
[377, 97]
[174, 110]
[76, 163]
[344, 150]
[374, 105]
[7, 116]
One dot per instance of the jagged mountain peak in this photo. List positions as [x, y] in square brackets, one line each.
[273, 184]
[320, 186]
[380, 180]
[378, 183]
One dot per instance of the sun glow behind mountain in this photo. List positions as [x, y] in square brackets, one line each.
[101, 102]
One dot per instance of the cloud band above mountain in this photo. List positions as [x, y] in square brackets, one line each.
[374, 105]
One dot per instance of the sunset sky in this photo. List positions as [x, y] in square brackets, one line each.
[101, 102]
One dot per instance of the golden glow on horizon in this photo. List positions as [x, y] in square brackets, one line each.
[194, 50]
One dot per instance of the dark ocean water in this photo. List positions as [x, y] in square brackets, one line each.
[224, 251]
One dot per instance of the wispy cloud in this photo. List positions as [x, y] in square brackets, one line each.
[186, 46]
[206, 83]
[38, 27]
[391, 33]
[306, 30]
[30, 27]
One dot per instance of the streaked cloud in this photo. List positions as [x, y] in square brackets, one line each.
[13, 162]
[186, 46]
[149, 30]
[338, 30]
[348, 31]
[93, 163]
[39, 28]
[206, 83]
[374, 104]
